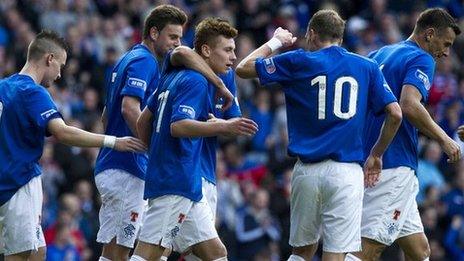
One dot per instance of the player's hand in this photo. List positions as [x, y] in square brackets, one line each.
[225, 94]
[372, 170]
[130, 144]
[461, 132]
[452, 149]
[284, 36]
[240, 127]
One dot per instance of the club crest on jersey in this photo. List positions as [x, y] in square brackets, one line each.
[396, 214]
[269, 65]
[137, 83]
[392, 228]
[174, 231]
[129, 231]
[423, 78]
[187, 110]
[46, 114]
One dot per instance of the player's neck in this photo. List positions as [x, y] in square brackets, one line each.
[418, 40]
[151, 46]
[32, 70]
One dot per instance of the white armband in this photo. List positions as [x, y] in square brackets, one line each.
[109, 141]
[274, 44]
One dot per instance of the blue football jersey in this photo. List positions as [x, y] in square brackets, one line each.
[208, 157]
[328, 93]
[25, 110]
[401, 63]
[136, 74]
[174, 166]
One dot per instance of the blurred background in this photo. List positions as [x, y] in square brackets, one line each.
[253, 174]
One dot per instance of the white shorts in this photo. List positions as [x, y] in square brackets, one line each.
[390, 209]
[326, 199]
[20, 218]
[122, 207]
[173, 217]
[190, 237]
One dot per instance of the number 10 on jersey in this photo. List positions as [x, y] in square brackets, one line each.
[321, 82]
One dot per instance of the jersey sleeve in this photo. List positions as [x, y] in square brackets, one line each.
[190, 99]
[419, 73]
[279, 68]
[40, 107]
[380, 94]
[152, 102]
[234, 110]
[138, 76]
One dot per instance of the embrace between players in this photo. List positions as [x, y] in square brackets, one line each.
[352, 124]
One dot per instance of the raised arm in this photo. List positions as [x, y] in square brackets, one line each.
[76, 137]
[282, 38]
[184, 56]
[416, 113]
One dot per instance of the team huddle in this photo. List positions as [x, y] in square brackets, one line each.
[353, 126]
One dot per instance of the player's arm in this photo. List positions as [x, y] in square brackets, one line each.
[189, 128]
[76, 137]
[282, 38]
[184, 56]
[145, 125]
[130, 111]
[416, 113]
[373, 164]
[391, 125]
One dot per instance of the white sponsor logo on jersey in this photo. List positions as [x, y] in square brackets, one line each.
[424, 78]
[137, 83]
[187, 110]
[47, 114]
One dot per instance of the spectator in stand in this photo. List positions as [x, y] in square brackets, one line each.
[454, 238]
[454, 200]
[63, 247]
[257, 230]
[427, 172]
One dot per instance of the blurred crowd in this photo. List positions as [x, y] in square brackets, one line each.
[253, 174]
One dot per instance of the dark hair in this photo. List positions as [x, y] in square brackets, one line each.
[327, 24]
[209, 29]
[437, 18]
[45, 42]
[161, 16]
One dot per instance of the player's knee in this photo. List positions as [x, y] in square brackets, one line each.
[217, 252]
[40, 254]
[221, 250]
[306, 252]
[420, 253]
[425, 252]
